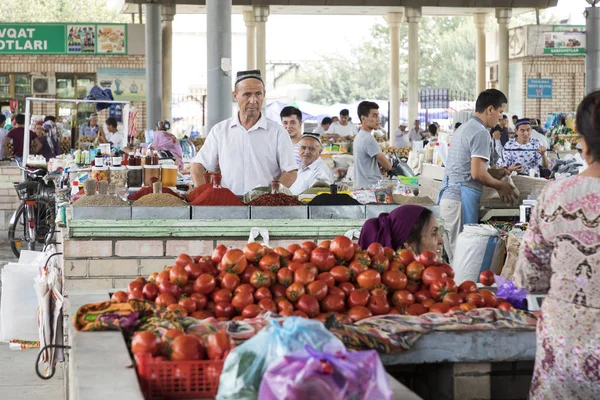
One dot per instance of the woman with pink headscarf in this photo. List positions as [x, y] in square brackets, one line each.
[407, 227]
[163, 140]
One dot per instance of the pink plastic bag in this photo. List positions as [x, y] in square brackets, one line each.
[310, 375]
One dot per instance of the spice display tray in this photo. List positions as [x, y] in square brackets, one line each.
[283, 212]
[157, 213]
[91, 212]
[336, 212]
[220, 212]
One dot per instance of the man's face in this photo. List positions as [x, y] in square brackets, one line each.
[372, 122]
[326, 126]
[515, 121]
[403, 128]
[93, 122]
[344, 119]
[39, 130]
[503, 122]
[495, 115]
[250, 95]
[310, 150]
[292, 126]
[111, 129]
[417, 124]
[334, 120]
[524, 133]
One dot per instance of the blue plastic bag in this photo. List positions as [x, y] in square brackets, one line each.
[309, 374]
[246, 364]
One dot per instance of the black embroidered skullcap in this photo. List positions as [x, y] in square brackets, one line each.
[252, 74]
[523, 121]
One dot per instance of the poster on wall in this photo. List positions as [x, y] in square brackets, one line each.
[111, 39]
[125, 83]
[539, 88]
[81, 39]
[565, 40]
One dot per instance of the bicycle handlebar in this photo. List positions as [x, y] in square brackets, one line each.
[28, 172]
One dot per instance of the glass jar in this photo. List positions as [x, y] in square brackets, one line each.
[100, 174]
[135, 176]
[118, 176]
[151, 172]
[169, 175]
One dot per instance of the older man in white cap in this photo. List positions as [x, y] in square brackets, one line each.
[313, 168]
[401, 136]
[249, 149]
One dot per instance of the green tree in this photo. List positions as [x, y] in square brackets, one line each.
[59, 11]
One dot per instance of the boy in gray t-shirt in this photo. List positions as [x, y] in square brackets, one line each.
[368, 156]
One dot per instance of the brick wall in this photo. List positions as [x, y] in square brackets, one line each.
[9, 201]
[64, 64]
[568, 84]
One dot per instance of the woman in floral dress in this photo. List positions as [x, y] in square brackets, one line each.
[561, 256]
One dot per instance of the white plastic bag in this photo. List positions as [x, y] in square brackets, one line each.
[19, 307]
[477, 250]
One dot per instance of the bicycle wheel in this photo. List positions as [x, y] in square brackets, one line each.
[44, 226]
[17, 234]
[45, 221]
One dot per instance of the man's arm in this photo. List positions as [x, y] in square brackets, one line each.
[38, 145]
[198, 171]
[480, 174]
[383, 161]
[545, 162]
[288, 178]
[5, 146]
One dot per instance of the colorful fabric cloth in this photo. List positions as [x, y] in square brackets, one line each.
[167, 142]
[390, 230]
[525, 154]
[561, 255]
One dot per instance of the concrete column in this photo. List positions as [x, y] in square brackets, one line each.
[592, 56]
[153, 65]
[503, 16]
[218, 37]
[480, 20]
[261, 14]
[413, 16]
[250, 40]
[394, 20]
[168, 14]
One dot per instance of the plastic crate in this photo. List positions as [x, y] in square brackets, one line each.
[170, 380]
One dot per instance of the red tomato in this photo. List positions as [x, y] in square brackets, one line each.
[223, 296]
[145, 342]
[234, 261]
[452, 299]
[347, 288]
[270, 262]
[260, 279]
[309, 305]
[303, 276]
[254, 252]
[447, 269]
[293, 247]
[178, 310]
[189, 304]
[337, 291]
[340, 273]
[476, 299]
[267, 305]
[285, 276]
[375, 249]
[247, 274]
[301, 256]
[412, 286]
[466, 307]
[244, 287]
[357, 267]
[299, 313]
[262, 293]
[440, 288]
[186, 348]
[378, 305]
[343, 248]
[359, 297]
[416, 309]
[380, 264]
[188, 289]
[323, 259]
[120, 297]
[487, 278]
[224, 309]
[405, 256]
[295, 291]
[439, 308]
[505, 306]
[422, 295]
[207, 268]
[152, 277]
[200, 300]
[414, 270]
[241, 300]
[402, 299]
[135, 285]
[193, 271]
[141, 280]
[230, 281]
[165, 299]
[489, 298]
[454, 309]
[218, 344]
[251, 311]
[284, 305]
[203, 314]
[327, 278]
[368, 279]
[333, 302]
[136, 294]
[428, 258]
[162, 277]
[468, 287]
[171, 334]
[358, 313]
[325, 244]
[318, 289]
[389, 253]
[169, 287]
[431, 274]
[183, 260]
[428, 303]
[178, 275]
[205, 284]
[294, 266]
[397, 266]
[362, 257]
[284, 254]
[277, 291]
[394, 280]
[309, 246]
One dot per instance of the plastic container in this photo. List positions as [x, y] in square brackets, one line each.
[100, 174]
[135, 176]
[178, 379]
[150, 172]
[169, 175]
[118, 176]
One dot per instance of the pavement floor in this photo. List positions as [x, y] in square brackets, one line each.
[18, 380]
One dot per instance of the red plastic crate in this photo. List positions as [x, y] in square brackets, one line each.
[170, 380]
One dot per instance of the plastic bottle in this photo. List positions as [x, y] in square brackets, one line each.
[74, 188]
[78, 157]
[429, 157]
[436, 154]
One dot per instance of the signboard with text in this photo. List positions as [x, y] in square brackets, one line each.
[539, 88]
[565, 40]
[25, 38]
[125, 83]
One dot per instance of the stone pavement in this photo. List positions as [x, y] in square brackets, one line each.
[18, 380]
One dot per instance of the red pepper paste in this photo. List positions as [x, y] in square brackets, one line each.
[148, 190]
[194, 194]
[217, 195]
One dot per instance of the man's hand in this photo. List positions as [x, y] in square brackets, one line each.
[542, 150]
[507, 194]
[517, 168]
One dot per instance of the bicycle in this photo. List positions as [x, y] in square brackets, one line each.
[33, 222]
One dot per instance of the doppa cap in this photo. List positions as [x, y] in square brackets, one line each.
[523, 121]
[251, 74]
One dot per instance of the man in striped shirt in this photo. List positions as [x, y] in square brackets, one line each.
[291, 119]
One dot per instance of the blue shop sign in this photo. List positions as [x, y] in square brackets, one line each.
[539, 88]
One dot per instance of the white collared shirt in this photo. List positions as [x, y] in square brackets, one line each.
[247, 158]
[115, 138]
[343, 130]
[307, 177]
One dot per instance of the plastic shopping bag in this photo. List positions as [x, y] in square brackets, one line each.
[309, 374]
[19, 306]
[246, 364]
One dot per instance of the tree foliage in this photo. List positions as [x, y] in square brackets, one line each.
[59, 11]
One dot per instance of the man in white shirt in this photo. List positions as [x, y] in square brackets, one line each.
[313, 168]
[344, 127]
[249, 149]
[324, 126]
[3, 133]
[114, 137]
[401, 136]
[291, 119]
[416, 133]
